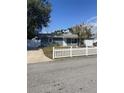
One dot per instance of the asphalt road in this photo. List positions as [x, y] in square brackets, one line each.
[68, 75]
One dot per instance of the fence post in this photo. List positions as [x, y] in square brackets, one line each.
[71, 51]
[53, 52]
[86, 51]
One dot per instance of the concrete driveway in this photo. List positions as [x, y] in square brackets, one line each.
[68, 75]
[35, 56]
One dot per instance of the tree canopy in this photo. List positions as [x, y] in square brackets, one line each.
[59, 32]
[83, 31]
[38, 16]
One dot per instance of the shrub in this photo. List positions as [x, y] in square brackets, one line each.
[48, 51]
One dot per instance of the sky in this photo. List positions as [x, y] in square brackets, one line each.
[67, 13]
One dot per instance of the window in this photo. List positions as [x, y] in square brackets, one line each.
[68, 40]
[74, 40]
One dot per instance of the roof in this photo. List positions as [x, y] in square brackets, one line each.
[66, 35]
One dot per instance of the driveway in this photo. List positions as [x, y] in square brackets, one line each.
[68, 75]
[35, 56]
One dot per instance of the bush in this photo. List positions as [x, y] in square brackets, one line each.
[48, 51]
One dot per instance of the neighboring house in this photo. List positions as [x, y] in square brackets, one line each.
[90, 42]
[34, 43]
[66, 39]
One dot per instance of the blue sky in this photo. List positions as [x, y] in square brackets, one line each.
[67, 13]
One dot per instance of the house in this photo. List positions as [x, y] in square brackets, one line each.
[66, 39]
[34, 43]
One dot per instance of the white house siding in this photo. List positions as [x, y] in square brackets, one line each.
[58, 40]
[64, 42]
[88, 43]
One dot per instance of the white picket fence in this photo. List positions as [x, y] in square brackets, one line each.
[70, 52]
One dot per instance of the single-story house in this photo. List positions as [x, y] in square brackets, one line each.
[63, 40]
[66, 39]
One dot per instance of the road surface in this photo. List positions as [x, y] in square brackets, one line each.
[68, 75]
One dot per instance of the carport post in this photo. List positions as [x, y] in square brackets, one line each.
[53, 52]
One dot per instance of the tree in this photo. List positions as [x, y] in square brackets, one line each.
[38, 16]
[59, 32]
[83, 31]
